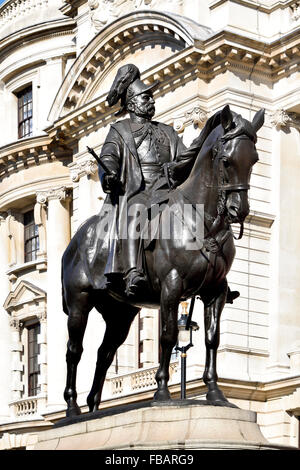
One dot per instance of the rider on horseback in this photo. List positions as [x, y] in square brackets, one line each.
[140, 157]
[141, 160]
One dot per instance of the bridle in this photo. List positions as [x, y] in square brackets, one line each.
[220, 182]
[221, 185]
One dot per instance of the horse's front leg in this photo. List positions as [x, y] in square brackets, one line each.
[170, 297]
[212, 314]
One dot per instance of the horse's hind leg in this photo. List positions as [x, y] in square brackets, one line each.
[170, 297]
[212, 314]
[118, 321]
[77, 320]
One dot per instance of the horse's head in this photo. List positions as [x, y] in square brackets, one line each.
[235, 155]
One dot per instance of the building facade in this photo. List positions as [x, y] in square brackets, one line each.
[57, 62]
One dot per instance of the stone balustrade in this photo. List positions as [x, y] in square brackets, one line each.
[14, 8]
[25, 407]
[141, 380]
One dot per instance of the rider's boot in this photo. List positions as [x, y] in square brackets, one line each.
[135, 280]
[232, 295]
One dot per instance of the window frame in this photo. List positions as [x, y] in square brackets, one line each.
[32, 238]
[25, 105]
[33, 372]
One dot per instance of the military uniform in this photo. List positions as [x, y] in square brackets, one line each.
[136, 153]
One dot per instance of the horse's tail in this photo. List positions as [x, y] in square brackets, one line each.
[64, 304]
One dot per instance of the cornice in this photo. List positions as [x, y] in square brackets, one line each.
[182, 67]
[33, 151]
[114, 42]
[70, 7]
[264, 6]
[14, 198]
[35, 32]
[222, 51]
[39, 59]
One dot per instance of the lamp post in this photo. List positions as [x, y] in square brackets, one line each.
[185, 336]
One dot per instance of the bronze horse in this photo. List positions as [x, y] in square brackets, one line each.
[219, 180]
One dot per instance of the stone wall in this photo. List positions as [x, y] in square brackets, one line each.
[242, 53]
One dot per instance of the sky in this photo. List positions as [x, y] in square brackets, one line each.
[2, 1]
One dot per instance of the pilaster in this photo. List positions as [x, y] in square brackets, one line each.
[285, 296]
[17, 366]
[87, 187]
[40, 219]
[57, 201]
[5, 333]
[42, 359]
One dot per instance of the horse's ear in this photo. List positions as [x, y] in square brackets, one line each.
[258, 120]
[226, 118]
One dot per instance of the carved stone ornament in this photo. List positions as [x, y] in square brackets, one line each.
[282, 119]
[15, 324]
[196, 116]
[295, 8]
[3, 216]
[42, 316]
[53, 193]
[88, 167]
[103, 12]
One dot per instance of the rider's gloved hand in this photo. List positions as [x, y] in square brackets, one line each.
[110, 183]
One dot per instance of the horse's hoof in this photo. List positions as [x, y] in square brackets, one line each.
[216, 396]
[162, 395]
[73, 411]
[93, 409]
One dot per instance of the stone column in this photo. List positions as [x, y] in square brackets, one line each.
[285, 275]
[58, 237]
[40, 218]
[11, 233]
[42, 359]
[87, 200]
[5, 336]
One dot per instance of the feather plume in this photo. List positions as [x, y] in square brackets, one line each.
[125, 76]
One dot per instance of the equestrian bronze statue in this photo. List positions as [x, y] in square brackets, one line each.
[115, 264]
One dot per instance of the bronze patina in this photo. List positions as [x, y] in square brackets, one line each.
[110, 264]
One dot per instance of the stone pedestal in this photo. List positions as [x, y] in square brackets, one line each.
[149, 426]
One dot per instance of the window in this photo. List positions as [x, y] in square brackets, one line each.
[31, 237]
[33, 366]
[25, 112]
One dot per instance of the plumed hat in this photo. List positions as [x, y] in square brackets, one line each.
[126, 85]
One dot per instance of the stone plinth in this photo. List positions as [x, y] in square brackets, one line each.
[152, 426]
